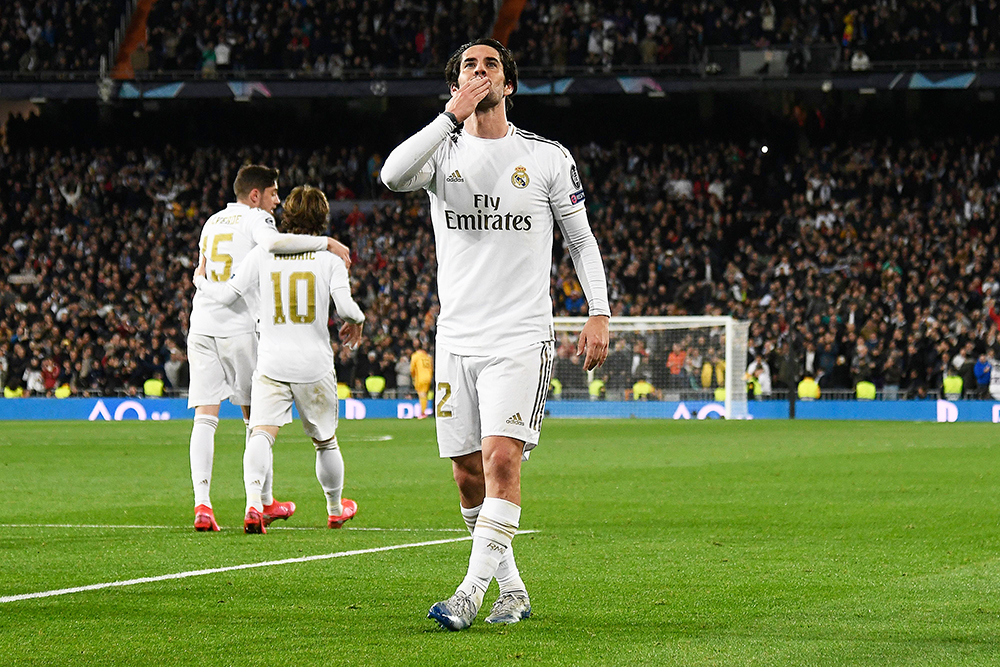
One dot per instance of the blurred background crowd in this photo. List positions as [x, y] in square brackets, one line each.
[871, 262]
[326, 38]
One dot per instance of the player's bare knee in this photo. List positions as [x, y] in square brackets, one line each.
[326, 444]
[468, 474]
[501, 453]
[467, 478]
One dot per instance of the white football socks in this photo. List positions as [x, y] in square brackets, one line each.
[256, 460]
[266, 495]
[495, 529]
[330, 473]
[507, 575]
[202, 453]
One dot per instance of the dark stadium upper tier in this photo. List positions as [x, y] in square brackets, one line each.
[330, 38]
[56, 35]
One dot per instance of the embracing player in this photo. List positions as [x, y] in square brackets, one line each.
[222, 345]
[496, 194]
[295, 360]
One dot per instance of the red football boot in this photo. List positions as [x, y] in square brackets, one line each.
[350, 508]
[253, 523]
[278, 510]
[204, 519]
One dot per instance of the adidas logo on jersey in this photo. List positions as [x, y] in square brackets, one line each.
[455, 177]
[515, 419]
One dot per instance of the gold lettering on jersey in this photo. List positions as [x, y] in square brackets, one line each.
[220, 257]
[520, 179]
[228, 220]
[301, 255]
[295, 313]
[279, 308]
[444, 391]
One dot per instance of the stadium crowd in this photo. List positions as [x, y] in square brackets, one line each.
[56, 35]
[875, 262]
[329, 37]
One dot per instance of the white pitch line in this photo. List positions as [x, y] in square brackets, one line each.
[102, 526]
[77, 525]
[216, 570]
[231, 568]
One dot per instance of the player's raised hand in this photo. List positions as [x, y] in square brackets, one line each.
[350, 334]
[464, 100]
[594, 341]
[339, 249]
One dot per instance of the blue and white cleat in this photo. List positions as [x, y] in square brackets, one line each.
[510, 608]
[455, 613]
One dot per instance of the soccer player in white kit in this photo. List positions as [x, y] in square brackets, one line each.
[295, 359]
[496, 193]
[222, 345]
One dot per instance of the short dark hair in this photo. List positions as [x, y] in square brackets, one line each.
[454, 65]
[305, 211]
[253, 177]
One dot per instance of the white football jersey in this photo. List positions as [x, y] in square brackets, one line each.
[293, 293]
[494, 203]
[226, 239]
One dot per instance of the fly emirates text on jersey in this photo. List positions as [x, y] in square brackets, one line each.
[484, 220]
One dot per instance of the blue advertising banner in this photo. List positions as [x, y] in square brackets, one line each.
[165, 409]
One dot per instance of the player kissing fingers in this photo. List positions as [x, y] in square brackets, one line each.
[464, 100]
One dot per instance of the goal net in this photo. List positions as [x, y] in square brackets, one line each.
[658, 358]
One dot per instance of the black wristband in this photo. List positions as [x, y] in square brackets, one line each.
[451, 117]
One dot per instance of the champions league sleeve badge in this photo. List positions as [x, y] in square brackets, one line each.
[520, 178]
[574, 176]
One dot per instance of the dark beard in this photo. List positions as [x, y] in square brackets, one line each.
[488, 102]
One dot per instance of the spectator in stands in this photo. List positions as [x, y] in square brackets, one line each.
[176, 369]
[675, 366]
[92, 276]
[345, 365]
[568, 369]
[892, 375]
[860, 62]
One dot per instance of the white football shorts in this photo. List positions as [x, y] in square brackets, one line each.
[221, 368]
[476, 397]
[271, 404]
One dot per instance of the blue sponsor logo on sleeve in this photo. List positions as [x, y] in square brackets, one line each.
[577, 197]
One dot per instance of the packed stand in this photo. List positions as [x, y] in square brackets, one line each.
[872, 263]
[98, 251]
[321, 37]
[38, 36]
[325, 39]
[875, 263]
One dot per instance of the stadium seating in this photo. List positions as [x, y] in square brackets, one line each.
[41, 37]
[878, 263]
[329, 38]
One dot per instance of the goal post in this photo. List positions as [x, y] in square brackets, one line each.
[659, 358]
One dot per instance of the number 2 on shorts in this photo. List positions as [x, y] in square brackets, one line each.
[444, 388]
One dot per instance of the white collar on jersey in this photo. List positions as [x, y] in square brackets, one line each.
[510, 132]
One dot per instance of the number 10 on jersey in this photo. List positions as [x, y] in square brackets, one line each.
[295, 314]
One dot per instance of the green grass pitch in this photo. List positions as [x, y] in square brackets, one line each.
[657, 543]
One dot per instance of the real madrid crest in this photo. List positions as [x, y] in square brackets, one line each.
[520, 178]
